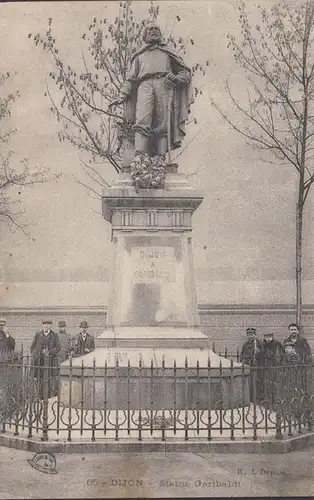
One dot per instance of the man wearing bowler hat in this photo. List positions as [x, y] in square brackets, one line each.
[45, 349]
[7, 343]
[84, 342]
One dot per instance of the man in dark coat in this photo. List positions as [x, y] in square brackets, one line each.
[250, 355]
[302, 347]
[7, 343]
[45, 349]
[84, 342]
[303, 351]
[271, 362]
[251, 349]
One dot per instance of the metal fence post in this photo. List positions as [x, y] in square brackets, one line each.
[46, 381]
[231, 401]
[186, 401]
[279, 434]
[140, 400]
[94, 399]
[69, 438]
[209, 402]
[152, 388]
[254, 380]
[174, 397]
[4, 369]
[163, 437]
[17, 389]
[117, 399]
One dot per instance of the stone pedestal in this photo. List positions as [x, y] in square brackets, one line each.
[152, 379]
[153, 286]
[152, 312]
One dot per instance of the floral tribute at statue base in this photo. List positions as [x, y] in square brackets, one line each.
[148, 172]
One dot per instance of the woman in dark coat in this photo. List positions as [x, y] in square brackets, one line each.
[271, 362]
[291, 371]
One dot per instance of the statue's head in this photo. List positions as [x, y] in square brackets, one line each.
[152, 33]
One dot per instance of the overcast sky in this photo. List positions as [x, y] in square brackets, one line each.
[244, 230]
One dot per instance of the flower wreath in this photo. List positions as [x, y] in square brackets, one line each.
[148, 171]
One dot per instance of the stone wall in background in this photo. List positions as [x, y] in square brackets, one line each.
[224, 325]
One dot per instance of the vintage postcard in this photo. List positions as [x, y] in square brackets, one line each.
[157, 286]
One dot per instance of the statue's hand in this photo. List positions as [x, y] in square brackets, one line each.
[171, 80]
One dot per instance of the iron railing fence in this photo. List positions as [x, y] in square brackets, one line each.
[199, 401]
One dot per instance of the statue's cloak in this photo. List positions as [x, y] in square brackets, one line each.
[182, 99]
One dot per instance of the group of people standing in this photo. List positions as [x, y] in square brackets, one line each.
[278, 369]
[62, 344]
[49, 349]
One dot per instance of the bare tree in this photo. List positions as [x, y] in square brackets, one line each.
[14, 174]
[277, 57]
[82, 96]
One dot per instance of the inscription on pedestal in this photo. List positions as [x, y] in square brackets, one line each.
[153, 289]
[153, 265]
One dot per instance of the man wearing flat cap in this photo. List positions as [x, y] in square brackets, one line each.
[7, 343]
[46, 344]
[84, 342]
[251, 349]
[250, 355]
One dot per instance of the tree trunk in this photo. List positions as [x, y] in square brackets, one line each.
[298, 239]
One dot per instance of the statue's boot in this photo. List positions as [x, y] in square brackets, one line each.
[141, 142]
[161, 146]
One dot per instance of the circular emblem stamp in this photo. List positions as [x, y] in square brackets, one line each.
[44, 462]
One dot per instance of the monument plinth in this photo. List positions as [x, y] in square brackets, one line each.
[153, 299]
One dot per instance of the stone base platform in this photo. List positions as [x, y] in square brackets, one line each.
[153, 378]
[152, 337]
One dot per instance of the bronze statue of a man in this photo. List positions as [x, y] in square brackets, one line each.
[158, 94]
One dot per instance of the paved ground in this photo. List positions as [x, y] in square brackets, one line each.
[158, 475]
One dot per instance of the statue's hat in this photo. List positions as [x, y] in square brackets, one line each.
[148, 24]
